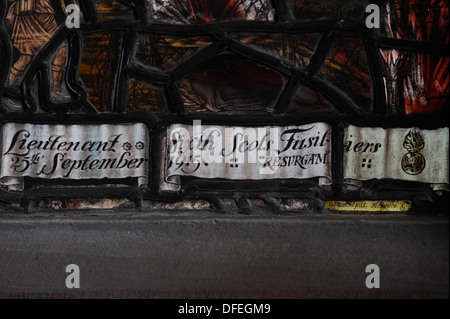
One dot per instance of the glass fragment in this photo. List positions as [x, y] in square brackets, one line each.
[230, 84]
[166, 52]
[347, 68]
[327, 9]
[296, 49]
[208, 11]
[415, 82]
[421, 20]
[112, 9]
[148, 97]
[98, 67]
[307, 100]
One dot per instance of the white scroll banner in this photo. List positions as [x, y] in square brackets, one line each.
[409, 154]
[246, 153]
[73, 152]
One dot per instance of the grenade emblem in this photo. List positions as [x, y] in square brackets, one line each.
[413, 162]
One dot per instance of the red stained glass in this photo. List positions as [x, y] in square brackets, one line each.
[422, 20]
[208, 11]
[416, 82]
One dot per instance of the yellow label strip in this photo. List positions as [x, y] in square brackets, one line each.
[369, 206]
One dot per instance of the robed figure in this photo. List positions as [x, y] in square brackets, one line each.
[33, 24]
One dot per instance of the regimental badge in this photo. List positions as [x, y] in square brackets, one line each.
[413, 162]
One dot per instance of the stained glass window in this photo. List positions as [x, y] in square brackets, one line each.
[245, 63]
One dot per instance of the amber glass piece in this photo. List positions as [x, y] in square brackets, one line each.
[112, 9]
[297, 49]
[415, 82]
[166, 52]
[145, 96]
[208, 11]
[308, 100]
[347, 68]
[98, 67]
[230, 84]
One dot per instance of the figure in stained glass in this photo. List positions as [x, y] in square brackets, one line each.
[33, 24]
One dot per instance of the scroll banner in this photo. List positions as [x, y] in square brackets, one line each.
[73, 152]
[409, 154]
[246, 153]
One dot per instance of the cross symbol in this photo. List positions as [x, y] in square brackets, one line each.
[367, 162]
